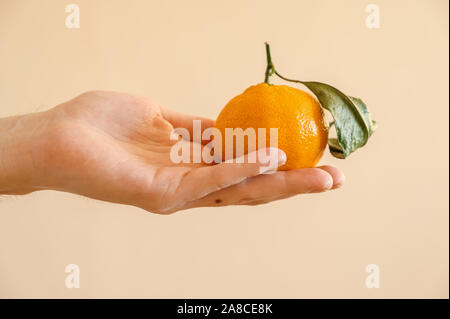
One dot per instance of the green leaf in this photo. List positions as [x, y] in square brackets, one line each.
[365, 111]
[335, 148]
[351, 118]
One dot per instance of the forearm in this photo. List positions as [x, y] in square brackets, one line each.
[19, 144]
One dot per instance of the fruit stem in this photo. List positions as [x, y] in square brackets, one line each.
[269, 69]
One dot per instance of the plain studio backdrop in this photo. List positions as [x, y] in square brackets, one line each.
[193, 56]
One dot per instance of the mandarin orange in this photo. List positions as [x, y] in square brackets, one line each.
[298, 116]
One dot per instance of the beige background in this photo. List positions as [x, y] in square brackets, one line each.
[194, 56]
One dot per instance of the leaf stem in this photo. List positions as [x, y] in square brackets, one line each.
[286, 79]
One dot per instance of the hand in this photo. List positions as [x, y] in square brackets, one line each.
[116, 147]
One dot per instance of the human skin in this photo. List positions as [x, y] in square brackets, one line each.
[116, 147]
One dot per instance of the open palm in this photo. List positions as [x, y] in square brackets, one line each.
[116, 147]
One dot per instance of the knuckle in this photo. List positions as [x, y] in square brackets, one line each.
[90, 93]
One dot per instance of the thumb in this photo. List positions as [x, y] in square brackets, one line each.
[205, 180]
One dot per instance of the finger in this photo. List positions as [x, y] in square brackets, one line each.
[267, 200]
[266, 188]
[338, 176]
[195, 157]
[198, 203]
[180, 120]
[200, 182]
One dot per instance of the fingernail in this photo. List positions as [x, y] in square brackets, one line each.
[282, 158]
[329, 184]
[277, 158]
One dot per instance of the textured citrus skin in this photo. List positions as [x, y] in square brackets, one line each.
[302, 132]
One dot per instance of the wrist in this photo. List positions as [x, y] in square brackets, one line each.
[20, 138]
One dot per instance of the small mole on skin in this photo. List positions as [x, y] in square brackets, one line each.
[218, 201]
